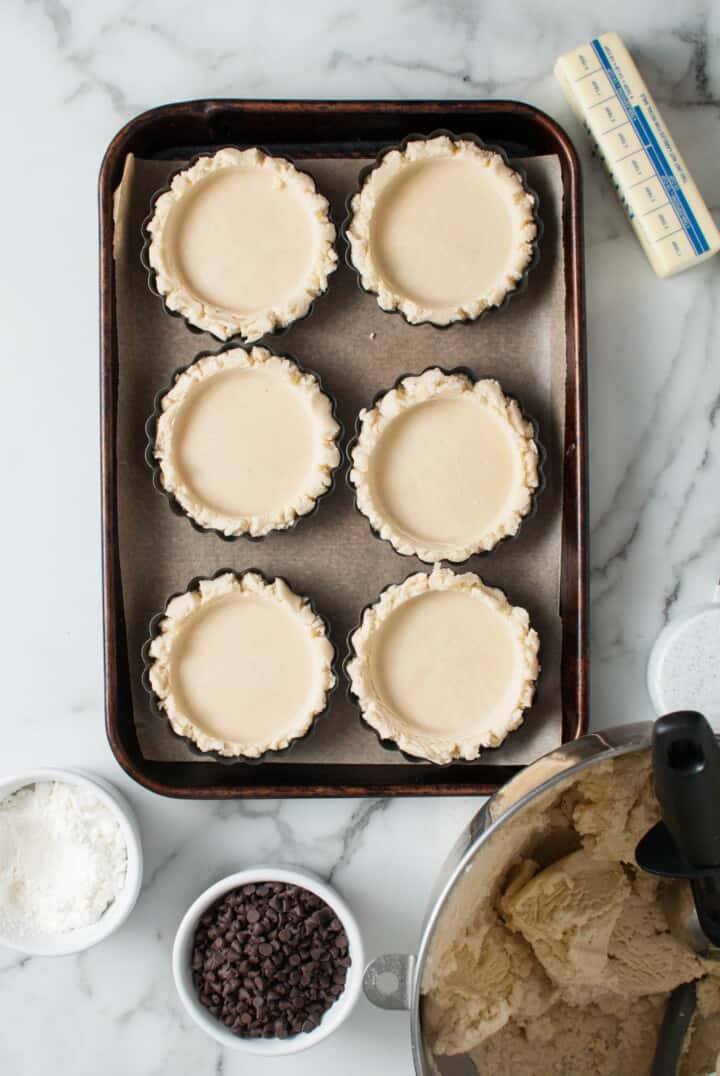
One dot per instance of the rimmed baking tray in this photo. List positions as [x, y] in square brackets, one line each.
[356, 130]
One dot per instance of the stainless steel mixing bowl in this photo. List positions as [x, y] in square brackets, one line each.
[394, 981]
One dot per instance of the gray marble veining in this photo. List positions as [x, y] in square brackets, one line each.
[73, 72]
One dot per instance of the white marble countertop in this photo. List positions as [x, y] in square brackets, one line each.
[73, 72]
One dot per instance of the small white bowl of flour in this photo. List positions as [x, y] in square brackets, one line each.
[70, 861]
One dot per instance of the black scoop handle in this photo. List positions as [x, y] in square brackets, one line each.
[673, 1030]
[686, 758]
[686, 844]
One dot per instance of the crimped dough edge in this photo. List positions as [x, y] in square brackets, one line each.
[411, 392]
[385, 722]
[320, 410]
[221, 322]
[520, 200]
[182, 608]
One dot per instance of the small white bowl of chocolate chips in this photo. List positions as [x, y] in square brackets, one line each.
[269, 960]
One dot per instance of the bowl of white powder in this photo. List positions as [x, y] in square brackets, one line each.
[70, 861]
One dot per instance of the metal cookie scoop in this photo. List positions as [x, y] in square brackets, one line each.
[685, 845]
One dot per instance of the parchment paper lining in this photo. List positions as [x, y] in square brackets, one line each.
[357, 349]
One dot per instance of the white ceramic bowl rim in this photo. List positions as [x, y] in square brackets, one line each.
[677, 672]
[76, 941]
[332, 1018]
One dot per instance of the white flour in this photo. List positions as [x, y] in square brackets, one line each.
[63, 859]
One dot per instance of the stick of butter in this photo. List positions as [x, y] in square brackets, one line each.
[609, 97]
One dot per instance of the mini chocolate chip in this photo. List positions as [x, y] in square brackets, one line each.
[269, 959]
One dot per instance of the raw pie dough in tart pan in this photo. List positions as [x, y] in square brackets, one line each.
[442, 229]
[443, 666]
[239, 665]
[243, 442]
[445, 465]
[239, 243]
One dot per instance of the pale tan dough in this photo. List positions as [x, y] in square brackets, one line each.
[703, 1053]
[241, 665]
[241, 243]
[587, 955]
[616, 1040]
[246, 441]
[444, 665]
[444, 466]
[568, 913]
[442, 230]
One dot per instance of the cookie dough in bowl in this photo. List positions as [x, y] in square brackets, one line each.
[556, 955]
[239, 664]
[244, 442]
[445, 466]
[442, 229]
[240, 242]
[443, 666]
